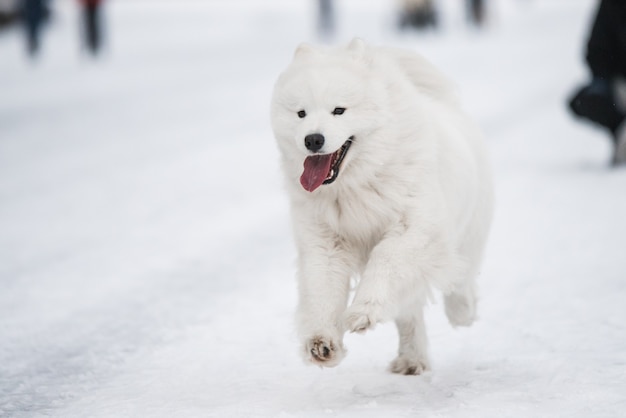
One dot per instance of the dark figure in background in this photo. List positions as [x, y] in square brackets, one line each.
[476, 11]
[418, 14]
[34, 13]
[600, 101]
[9, 14]
[326, 18]
[92, 25]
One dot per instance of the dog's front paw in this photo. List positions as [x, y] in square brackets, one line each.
[362, 316]
[408, 366]
[324, 351]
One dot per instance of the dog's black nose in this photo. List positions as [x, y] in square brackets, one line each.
[314, 142]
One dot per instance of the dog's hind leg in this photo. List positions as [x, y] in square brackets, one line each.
[413, 349]
[460, 305]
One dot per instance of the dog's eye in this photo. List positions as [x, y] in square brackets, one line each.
[339, 110]
[301, 114]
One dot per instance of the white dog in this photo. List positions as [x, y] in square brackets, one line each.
[390, 185]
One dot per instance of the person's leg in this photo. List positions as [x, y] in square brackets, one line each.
[605, 48]
[600, 43]
[326, 17]
[619, 153]
[599, 100]
[596, 103]
[93, 38]
[32, 36]
[477, 11]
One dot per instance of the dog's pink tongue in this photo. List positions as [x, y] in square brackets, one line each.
[316, 168]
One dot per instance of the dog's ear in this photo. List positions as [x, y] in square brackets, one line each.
[357, 47]
[304, 49]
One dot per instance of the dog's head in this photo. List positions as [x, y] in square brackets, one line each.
[324, 105]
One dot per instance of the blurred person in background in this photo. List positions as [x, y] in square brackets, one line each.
[9, 12]
[34, 14]
[92, 26]
[476, 11]
[417, 14]
[325, 18]
[602, 101]
[422, 14]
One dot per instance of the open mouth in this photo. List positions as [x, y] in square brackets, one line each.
[324, 168]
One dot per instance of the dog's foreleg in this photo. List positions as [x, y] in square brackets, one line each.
[390, 276]
[401, 269]
[324, 285]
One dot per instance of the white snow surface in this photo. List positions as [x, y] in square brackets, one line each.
[146, 260]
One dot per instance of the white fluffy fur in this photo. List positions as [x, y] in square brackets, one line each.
[409, 211]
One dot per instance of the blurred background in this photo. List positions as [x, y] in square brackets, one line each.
[146, 262]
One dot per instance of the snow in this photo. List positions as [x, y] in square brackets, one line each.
[146, 262]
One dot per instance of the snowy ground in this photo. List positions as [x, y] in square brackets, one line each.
[146, 264]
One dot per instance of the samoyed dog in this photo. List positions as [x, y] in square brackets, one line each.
[390, 190]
